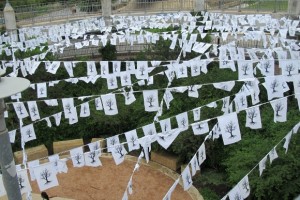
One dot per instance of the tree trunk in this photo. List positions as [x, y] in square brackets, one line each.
[50, 148]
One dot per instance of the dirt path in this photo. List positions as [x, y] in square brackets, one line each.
[109, 183]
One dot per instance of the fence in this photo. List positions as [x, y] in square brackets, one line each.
[154, 6]
[248, 5]
[48, 12]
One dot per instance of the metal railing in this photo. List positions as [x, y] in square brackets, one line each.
[48, 12]
[272, 6]
[146, 6]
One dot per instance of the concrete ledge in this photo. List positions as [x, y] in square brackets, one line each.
[62, 146]
[166, 159]
[32, 154]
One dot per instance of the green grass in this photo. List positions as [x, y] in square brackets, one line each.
[261, 5]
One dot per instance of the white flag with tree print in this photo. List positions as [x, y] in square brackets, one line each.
[85, 109]
[109, 104]
[141, 70]
[151, 100]
[95, 146]
[182, 121]
[118, 153]
[68, 104]
[45, 176]
[287, 141]
[20, 110]
[132, 140]
[165, 125]
[111, 142]
[125, 78]
[91, 68]
[244, 187]
[274, 87]
[194, 165]
[33, 110]
[280, 109]
[129, 96]
[104, 68]
[116, 67]
[253, 119]
[167, 138]
[200, 128]
[267, 67]
[23, 181]
[98, 103]
[91, 159]
[201, 153]
[77, 157]
[186, 178]
[112, 82]
[262, 165]
[28, 133]
[230, 128]
[149, 129]
[273, 155]
[41, 90]
[235, 193]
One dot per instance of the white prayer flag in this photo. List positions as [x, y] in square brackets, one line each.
[119, 153]
[149, 129]
[91, 159]
[245, 69]
[132, 140]
[125, 78]
[165, 125]
[111, 142]
[235, 193]
[77, 157]
[194, 165]
[23, 181]
[193, 90]
[267, 67]
[244, 187]
[129, 97]
[112, 82]
[109, 104]
[98, 103]
[85, 110]
[45, 176]
[201, 153]
[181, 71]
[274, 87]
[116, 68]
[273, 155]
[240, 101]
[31, 165]
[73, 117]
[262, 165]
[20, 110]
[230, 129]
[168, 97]
[287, 141]
[28, 133]
[280, 109]
[33, 110]
[68, 104]
[91, 68]
[253, 119]
[200, 128]
[104, 68]
[227, 85]
[186, 178]
[57, 118]
[182, 121]
[166, 139]
[151, 100]
[41, 90]
[142, 70]
[12, 136]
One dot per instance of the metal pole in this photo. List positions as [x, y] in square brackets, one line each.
[7, 162]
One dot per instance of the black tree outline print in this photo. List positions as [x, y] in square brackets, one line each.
[111, 81]
[78, 157]
[230, 127]
[237, 196]
[278, 107]
[274, 85]
[92, 156]
[19, 108]
[28, 133]
[45, 174]
[150, 99]
[142, 69]
[21, 180]
[133, 140]
[243, 100]
[245, 69]
[289, 68]
[119, 150]
[188, 179]
[68, 108]
[126, 78]
[33, 110]
[42, 91]
[110, 104]
[199, 126]
[245, 185]
[251, 115]
[183, 122]
[266, 66]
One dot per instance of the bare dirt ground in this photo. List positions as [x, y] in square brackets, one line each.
[109, 183]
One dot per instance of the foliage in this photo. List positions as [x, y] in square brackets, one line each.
[109, 52]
